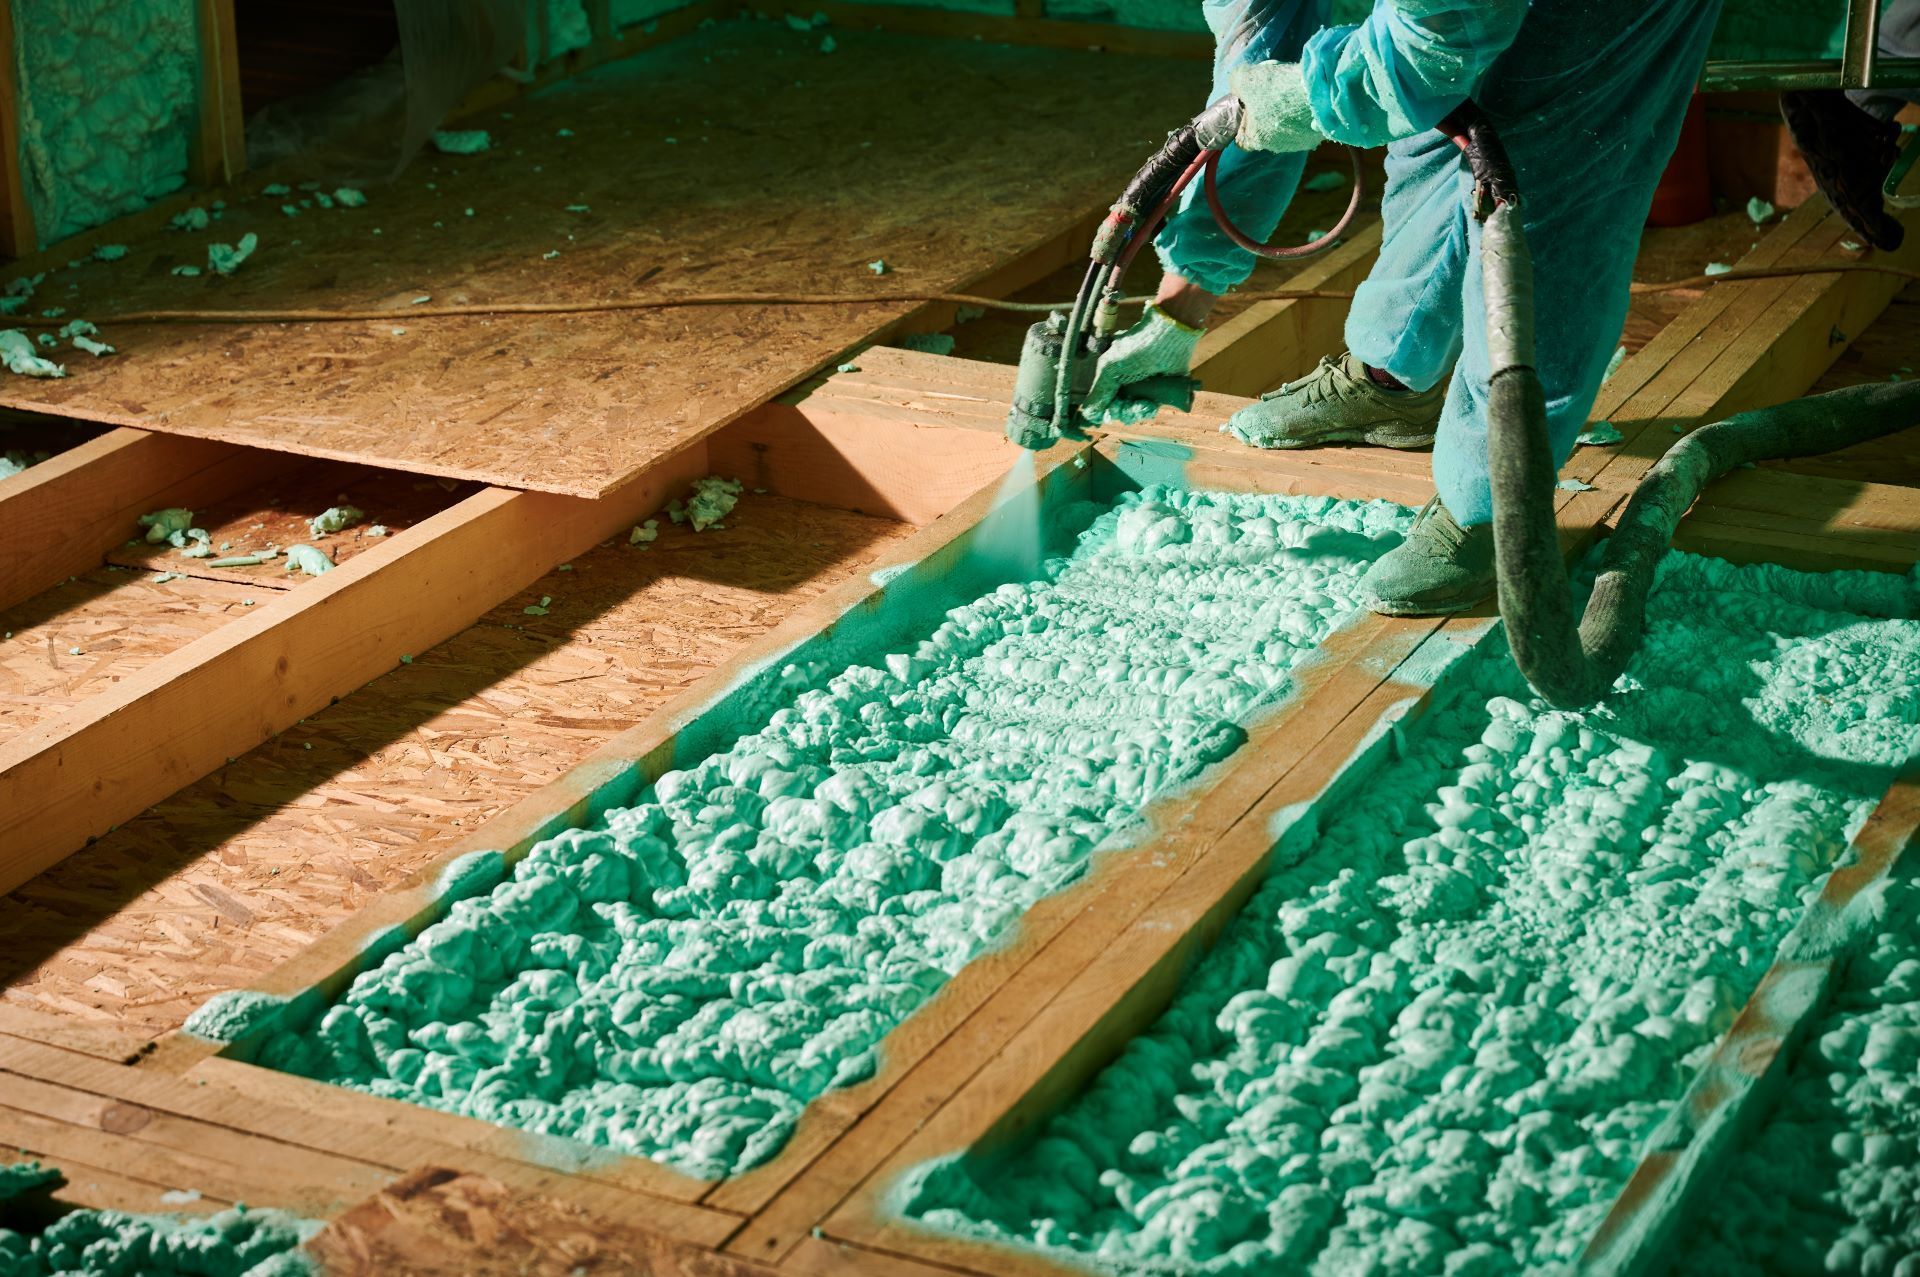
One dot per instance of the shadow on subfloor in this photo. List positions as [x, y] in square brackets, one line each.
[775, 549]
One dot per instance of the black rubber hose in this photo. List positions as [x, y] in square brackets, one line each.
[1573, 662]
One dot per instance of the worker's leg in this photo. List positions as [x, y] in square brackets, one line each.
[1405, 318]
[1255, 186]
[1589, 112]
[1404, 321]
[1198, 261]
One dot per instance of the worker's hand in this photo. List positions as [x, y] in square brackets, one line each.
[1158, 346]
[1277, 115]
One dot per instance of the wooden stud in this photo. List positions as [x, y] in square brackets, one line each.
[323, 1149]
[17, 235]
[220, 141]
[70, 779]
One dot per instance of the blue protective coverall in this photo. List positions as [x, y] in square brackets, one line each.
[1588, 96]
[1255, 186]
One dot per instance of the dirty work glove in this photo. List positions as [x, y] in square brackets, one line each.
[1277, 115]
[1158, 346]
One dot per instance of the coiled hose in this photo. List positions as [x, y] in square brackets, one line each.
[1573, 662]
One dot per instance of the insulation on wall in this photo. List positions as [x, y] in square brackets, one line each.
[1774, 29]
[107, 106]
[567, 28]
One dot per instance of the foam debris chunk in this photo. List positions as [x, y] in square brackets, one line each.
[461, 141]
[1440, 1034]
[1716, 268]
[170, 524]
[644, 532]
[308, 559]
[334, 519]
[1601, 434]
[713, 498]
[1759, 210]
[19, 356]
[348, 197]
[681, 977]
[224, 259]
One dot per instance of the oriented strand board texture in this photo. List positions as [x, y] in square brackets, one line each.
[740, 158]
[218, 884]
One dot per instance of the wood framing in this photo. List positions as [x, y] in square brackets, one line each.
[219, 141]
[71, 779]
[63, 515]
[17, 234]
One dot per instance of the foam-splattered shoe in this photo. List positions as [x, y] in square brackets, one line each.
[1441, 567]
[1338, 403]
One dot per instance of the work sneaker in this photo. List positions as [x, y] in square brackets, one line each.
[1338, 403]
[1441, 567]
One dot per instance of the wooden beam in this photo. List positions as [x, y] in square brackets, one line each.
[320, 1152]
[71, 779]
[62, 516]
[1273, 342]
[220, 140]
[17, 235]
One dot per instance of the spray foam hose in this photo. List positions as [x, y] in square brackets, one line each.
[1573, 662]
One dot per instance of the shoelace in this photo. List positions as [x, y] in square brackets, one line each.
[1317, 386]
[1439, 526]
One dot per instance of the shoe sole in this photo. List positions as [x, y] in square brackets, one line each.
[1446, 607]
[1379, 436]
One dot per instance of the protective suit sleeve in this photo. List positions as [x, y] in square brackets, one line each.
[1400, 71]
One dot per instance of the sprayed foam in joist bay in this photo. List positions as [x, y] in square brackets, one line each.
[1438, 1036]
[682, 978]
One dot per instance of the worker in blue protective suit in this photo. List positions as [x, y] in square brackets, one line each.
[1588, 97]
[1199, 262]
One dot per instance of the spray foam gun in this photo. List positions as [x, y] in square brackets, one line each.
[1058, 358]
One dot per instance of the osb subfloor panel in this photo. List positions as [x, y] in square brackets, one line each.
[1889, 348]
[218, 884]
[86, 634]
[739, 158]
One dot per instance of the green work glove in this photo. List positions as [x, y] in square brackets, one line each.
[1277, 115]
[1158, 346]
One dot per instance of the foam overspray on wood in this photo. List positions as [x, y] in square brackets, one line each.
[1441, 1033]
[682, 977]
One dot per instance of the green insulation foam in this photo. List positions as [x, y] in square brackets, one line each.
[1436, 1039]
[567, 28]
[1831, 1183]
[682, 976]
[109, 1243]
[107, 106]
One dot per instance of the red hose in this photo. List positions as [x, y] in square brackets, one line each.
[1254, 246]
[1151, 227]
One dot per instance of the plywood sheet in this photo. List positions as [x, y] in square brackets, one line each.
[740, 158]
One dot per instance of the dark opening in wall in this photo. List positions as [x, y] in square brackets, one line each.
[291, 47]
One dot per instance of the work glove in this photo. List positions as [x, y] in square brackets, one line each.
[1276, 114]
[1158, 347]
